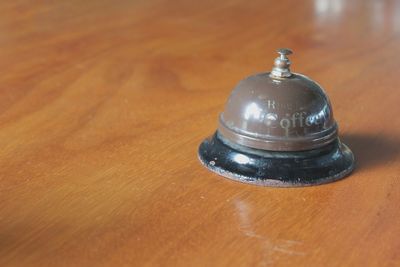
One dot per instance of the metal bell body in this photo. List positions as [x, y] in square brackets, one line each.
[277, 129]
[290, 114]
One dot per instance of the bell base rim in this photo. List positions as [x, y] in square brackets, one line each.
[276, 168]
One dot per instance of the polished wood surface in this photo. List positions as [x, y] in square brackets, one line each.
[104, 103]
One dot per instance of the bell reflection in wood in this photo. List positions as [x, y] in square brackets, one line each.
[277, 129]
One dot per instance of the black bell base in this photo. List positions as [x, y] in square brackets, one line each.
[280, 169]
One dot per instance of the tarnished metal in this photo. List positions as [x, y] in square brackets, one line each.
[282, 113]
[281, 67]
[289, 114]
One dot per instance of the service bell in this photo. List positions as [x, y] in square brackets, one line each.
[277, 129]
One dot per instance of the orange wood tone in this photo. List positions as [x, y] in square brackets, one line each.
[103, 105]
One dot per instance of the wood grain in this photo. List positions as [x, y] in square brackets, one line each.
[104, 103]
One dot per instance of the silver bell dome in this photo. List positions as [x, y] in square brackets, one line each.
[278, 111]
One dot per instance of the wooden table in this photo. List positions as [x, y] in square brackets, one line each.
[104, 103]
